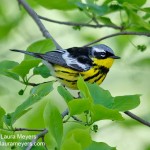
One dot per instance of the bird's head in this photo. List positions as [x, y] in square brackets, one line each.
[103, 55]
[102, 52]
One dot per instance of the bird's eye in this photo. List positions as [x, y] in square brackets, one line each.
[103, 54]
[100, 54]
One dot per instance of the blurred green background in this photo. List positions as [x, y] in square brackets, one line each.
[128, 76]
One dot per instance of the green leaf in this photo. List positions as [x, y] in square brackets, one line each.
[135, 19]
[113, 5]
[77, 28]
[98, 10]
[90, 1]
[23, 69]
[4, 90]
[146, 16]
[6, 66]
[106, 2]
[8, 119]
[100, 96]
[76, 139]
[78, 106]
[36, 94]
[65, 93]
[2, 113]
[142, 48]
[133, 2]
[42, 70]
[54, 124]
[146, 9]
[99, 146]
[100, 112]
[71, 144]
[41, 90]
[124, 103]
[106, 20]
[58, 4]
[83, 87]
[21, 92]
[41, 46]
[81, 6]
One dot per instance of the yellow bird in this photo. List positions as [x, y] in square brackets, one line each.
[92, 63]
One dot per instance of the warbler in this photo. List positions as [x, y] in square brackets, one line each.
[92, 63]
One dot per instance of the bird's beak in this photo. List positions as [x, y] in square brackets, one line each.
[115, 57]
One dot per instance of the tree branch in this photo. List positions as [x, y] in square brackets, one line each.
[42, 28]
[35, 84]
[118, 34]
[133, 116]
[40, 135]
[80, 24]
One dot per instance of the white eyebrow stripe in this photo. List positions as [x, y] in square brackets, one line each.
[98, 49]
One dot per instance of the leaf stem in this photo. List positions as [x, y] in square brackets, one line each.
[36, 84]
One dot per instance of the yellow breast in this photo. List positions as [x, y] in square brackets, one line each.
[96, 74]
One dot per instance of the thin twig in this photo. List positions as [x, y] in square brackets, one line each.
[22, 129]
[40, 135]
[35, 17]
[66, 112]
[27, 129]
[76, 119]
[133, 116]
[118, 34]
[80, 24]
[36, 84]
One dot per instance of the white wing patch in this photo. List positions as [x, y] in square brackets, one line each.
[74, 63]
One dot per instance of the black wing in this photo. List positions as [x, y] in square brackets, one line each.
[75, 58]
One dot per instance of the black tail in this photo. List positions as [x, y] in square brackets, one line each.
[37, 55]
